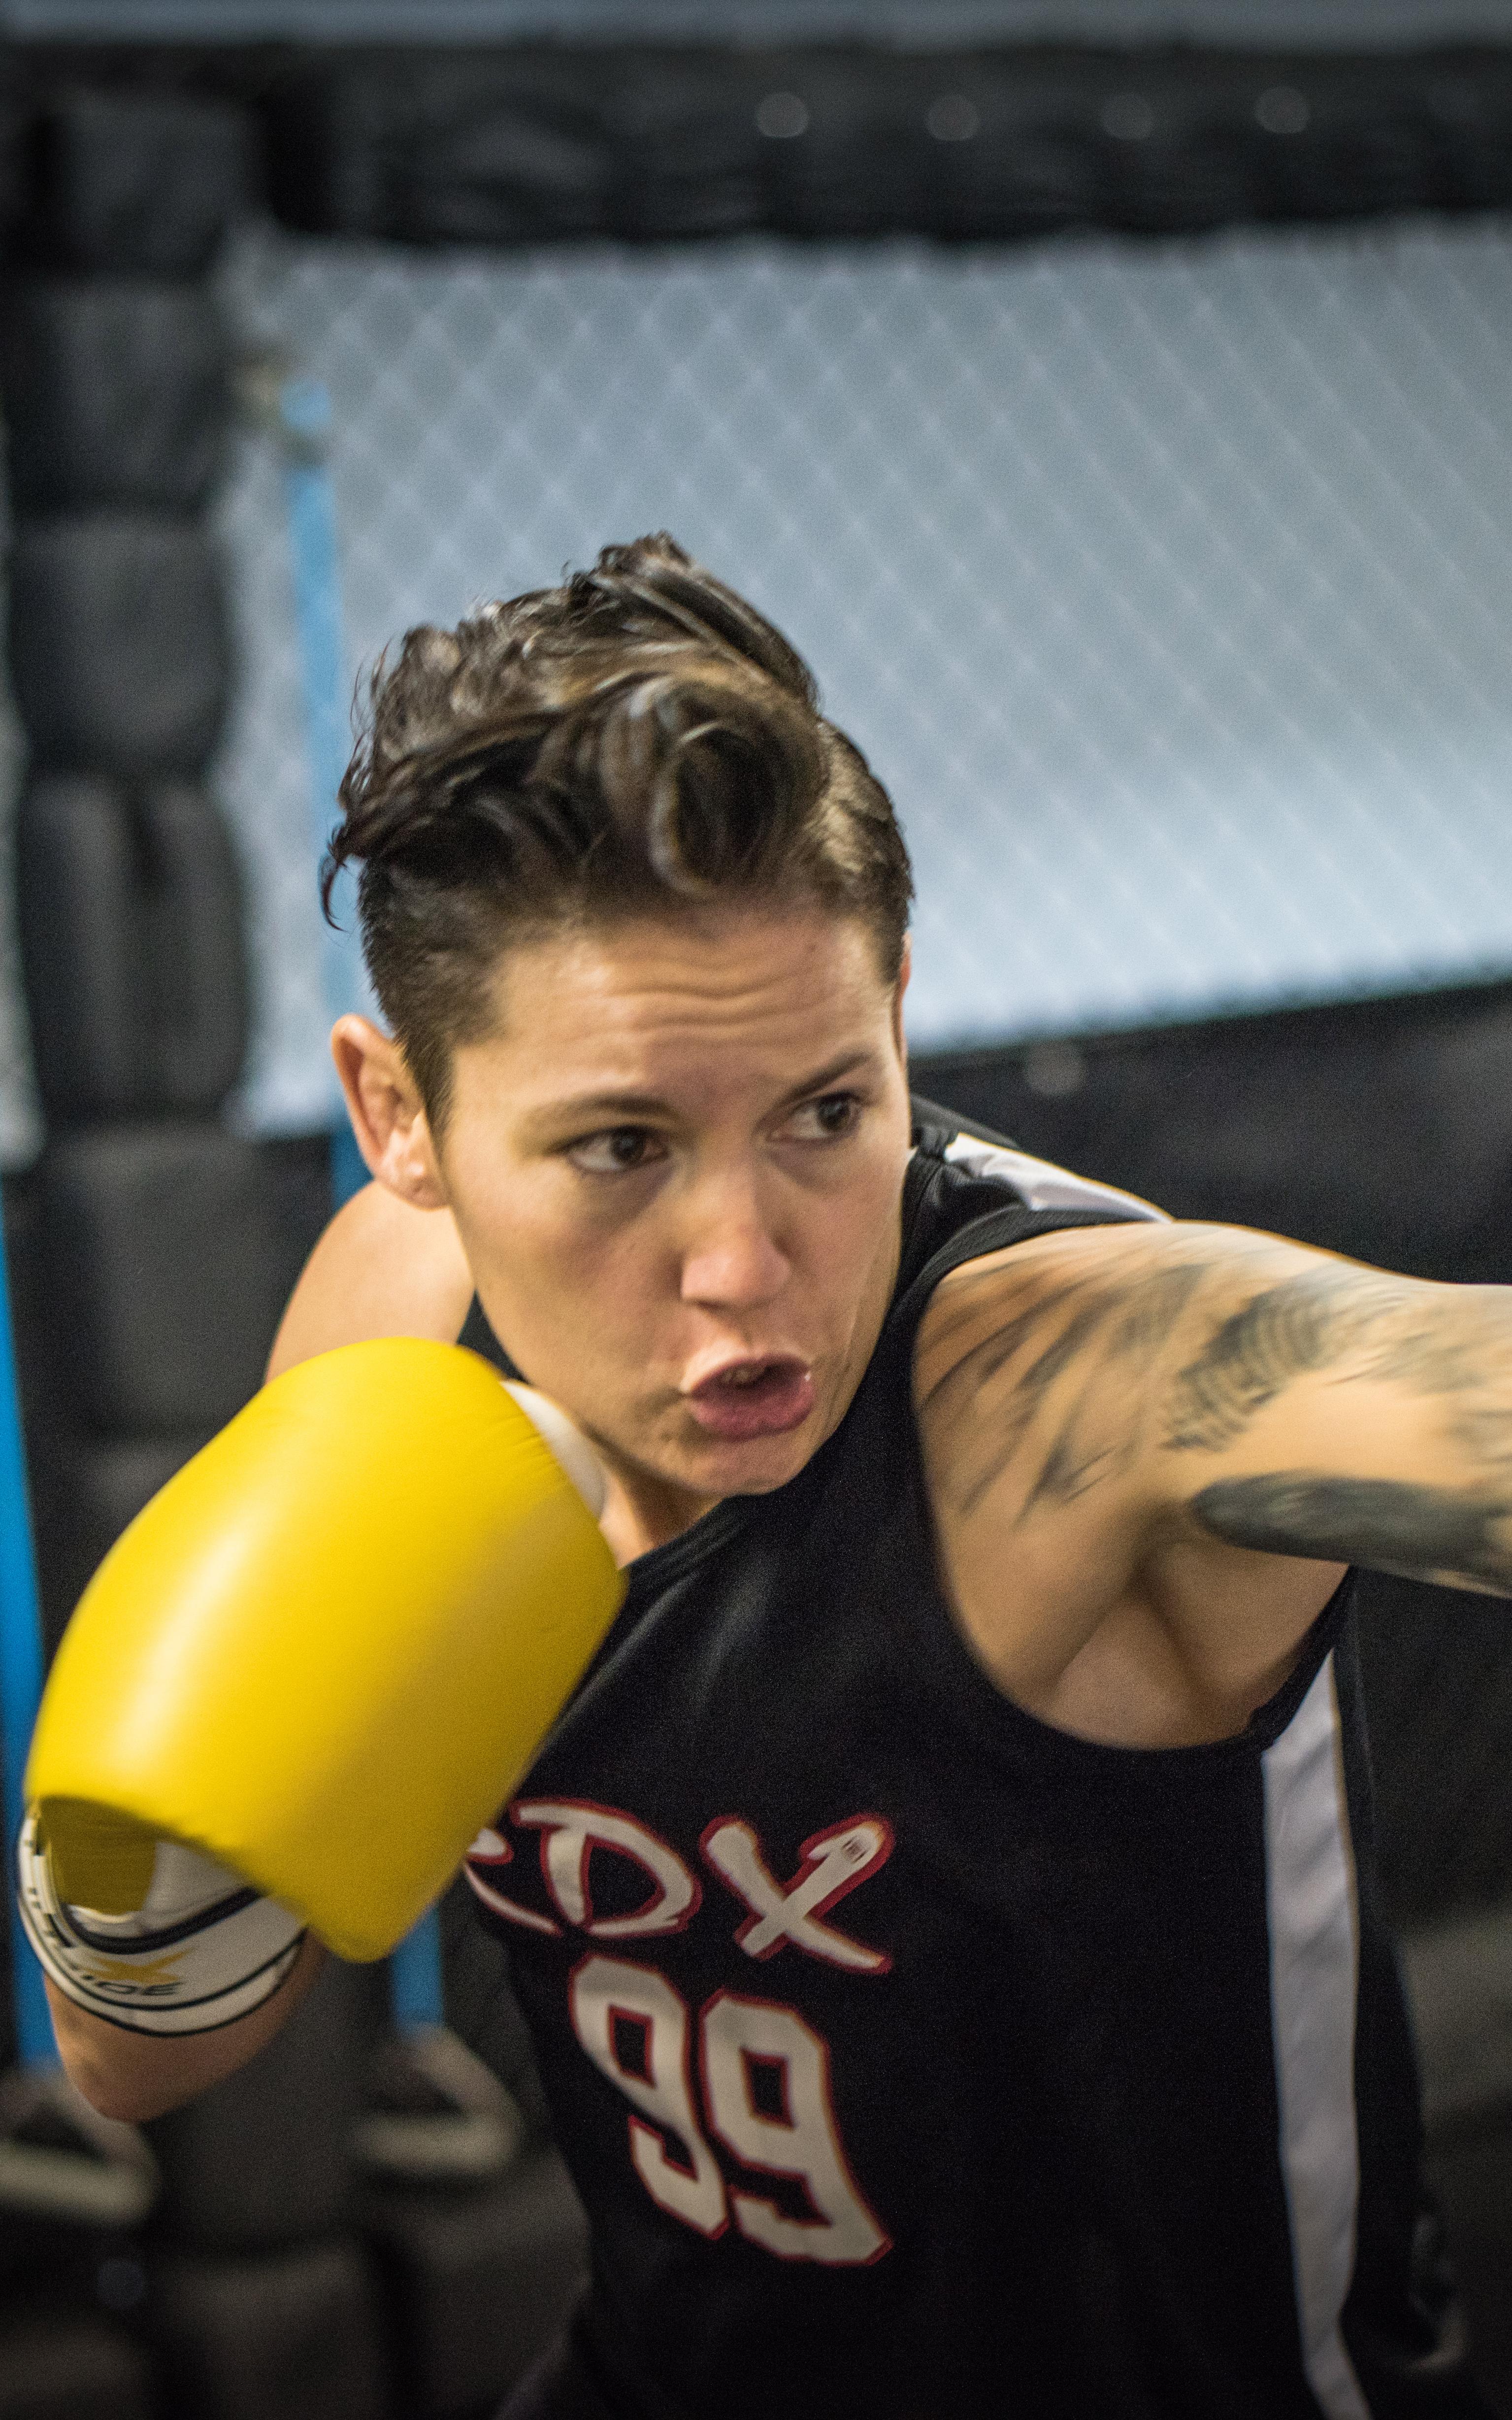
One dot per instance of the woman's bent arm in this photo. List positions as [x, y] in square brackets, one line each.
[135, 2076]
[379, 1269]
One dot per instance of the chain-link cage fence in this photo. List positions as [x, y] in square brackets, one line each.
[1163, 585]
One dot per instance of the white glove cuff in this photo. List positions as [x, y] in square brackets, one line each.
[566, 1440]
[202, 1951]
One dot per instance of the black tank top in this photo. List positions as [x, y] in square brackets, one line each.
[918, 2061]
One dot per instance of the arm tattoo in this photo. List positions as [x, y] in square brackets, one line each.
[1315, 1321]
[1460, 1538]
[985, 1403]
[1278, 1336]
[1077, 1370]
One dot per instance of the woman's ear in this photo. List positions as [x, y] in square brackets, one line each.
[387, 1114]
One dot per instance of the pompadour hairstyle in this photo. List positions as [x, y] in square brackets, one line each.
[637, 740]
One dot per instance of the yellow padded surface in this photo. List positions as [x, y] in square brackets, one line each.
[328, 1650]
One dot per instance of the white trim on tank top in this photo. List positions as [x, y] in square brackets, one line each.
[1038, 1182]
[1313, 1913]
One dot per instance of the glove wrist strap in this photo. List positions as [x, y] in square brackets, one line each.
[167, 1969]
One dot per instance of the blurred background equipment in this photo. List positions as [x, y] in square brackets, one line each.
[1114, 400]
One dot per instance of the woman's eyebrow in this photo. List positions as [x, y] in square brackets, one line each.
[610, 1104]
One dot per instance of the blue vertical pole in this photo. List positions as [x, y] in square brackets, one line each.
[304, 423]
[21, 1685]
[415, 1974]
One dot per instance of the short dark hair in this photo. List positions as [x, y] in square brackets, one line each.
[637, 740]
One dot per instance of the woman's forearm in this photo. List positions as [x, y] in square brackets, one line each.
[135, 2076]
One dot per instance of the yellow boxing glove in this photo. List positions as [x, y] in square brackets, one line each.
[326, 1650]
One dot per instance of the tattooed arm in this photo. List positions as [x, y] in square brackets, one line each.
[1396, 1410]
[1136, 1421]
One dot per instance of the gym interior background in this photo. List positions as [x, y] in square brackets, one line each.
[1115, 403]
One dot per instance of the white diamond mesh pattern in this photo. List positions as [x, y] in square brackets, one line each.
[1165, 585]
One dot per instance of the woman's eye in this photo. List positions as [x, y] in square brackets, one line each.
[617, 1149]
[829, 1119]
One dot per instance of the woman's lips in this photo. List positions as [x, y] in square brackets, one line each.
[752, 1398]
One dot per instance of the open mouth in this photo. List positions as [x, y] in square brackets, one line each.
[762, 1397]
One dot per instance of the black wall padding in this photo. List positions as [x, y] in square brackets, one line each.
[643, 142]
[136, 181]
[86, 1485]
[96, 1485]
[168, 1267]
[477, 2281]
[120, 652]
[1438, 1683]
[131, 933]
[116, 392]
[1467, 2174]
[1381, 1128]
[290, 2335]
[72, 2368]
[222, 2191]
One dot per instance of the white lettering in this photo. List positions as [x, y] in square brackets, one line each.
[832, 1864]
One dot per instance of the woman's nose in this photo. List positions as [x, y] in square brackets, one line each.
[733, 1260]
